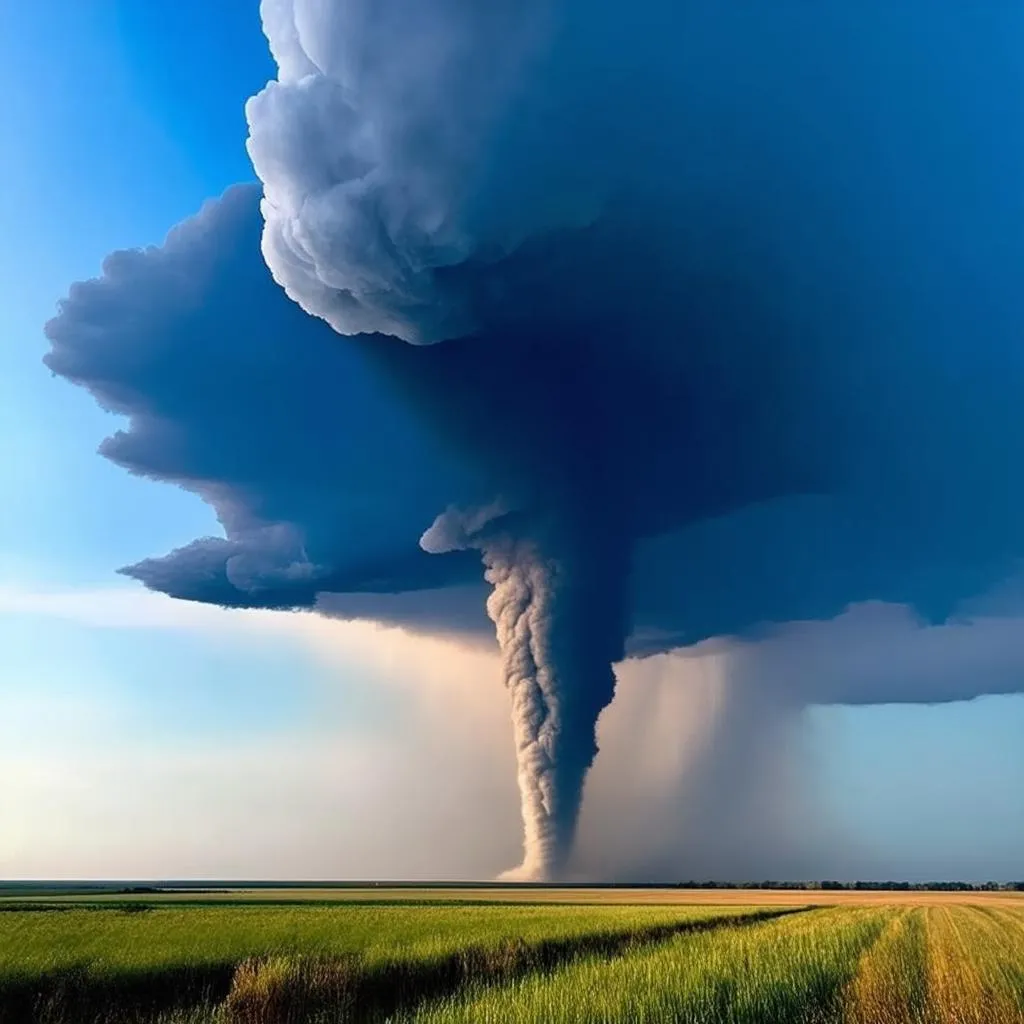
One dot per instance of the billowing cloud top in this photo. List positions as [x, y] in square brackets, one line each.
[391, 149]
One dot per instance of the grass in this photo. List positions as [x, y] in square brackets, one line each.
[938, 962]
[791, 969]
[976, 966]
[891, 984]
[87, 960]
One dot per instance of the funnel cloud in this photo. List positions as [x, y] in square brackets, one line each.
[557, 604]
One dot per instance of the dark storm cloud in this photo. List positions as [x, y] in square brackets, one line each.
[716, 321]
[813, 216]
[327, 457]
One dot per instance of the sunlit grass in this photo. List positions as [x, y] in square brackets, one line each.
[891, 984]
[36, 943]
[791, 969]
[976, 966]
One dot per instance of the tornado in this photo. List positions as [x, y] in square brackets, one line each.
[557, 601]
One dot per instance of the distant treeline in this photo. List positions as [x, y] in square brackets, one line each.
[865, 886]
[208, 887]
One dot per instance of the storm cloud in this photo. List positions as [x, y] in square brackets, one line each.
[715, 320]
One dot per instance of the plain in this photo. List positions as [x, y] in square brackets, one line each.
[266, 956]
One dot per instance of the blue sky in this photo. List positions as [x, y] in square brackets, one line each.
[126, 116]
[135, 121]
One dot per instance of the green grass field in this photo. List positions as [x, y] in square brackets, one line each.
[356, 956]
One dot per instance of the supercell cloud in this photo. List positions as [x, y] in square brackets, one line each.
[715, 323]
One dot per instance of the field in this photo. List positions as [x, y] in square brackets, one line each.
[511, 955]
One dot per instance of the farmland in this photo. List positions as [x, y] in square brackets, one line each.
[516, 955]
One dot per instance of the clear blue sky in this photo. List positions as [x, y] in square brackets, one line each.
[121, 117]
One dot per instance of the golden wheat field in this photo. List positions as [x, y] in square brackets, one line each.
[513, 955]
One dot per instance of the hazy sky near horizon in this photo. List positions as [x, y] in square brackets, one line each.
[140, 737]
